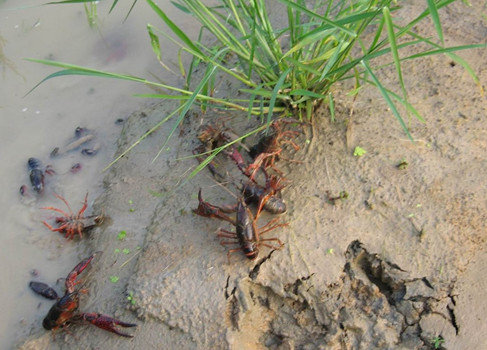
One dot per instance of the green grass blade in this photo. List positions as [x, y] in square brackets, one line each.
[67, 2]
[331, 105]
[377, 36]
[150, 131]
[113, 6]
[182, 71]
[334, 58]
[217, 150]
[436, 19]
[424, 14]
[187, 105]
[449, 51]
[307, 93]
[164, 96]
[176, 30]
[130, 10]
[181, 7]
[386, 97]
[275, 93]
[264, 93]
[71, 69]
[406, 104]
[156, 47]
[315, 15]
[309, 39]
[394, 50]
[305, 68]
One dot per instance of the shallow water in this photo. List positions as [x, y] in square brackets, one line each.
[32, 125]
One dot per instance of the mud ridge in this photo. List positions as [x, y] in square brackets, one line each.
[374, 304]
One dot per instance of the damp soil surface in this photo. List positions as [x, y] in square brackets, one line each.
[397, 264]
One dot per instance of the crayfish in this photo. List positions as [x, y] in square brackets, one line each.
[211, 138]
[65, 311]
[71, 223]
[269, 146]
[265, 197]
[36, 175]
[247, 234]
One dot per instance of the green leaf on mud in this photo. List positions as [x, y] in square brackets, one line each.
[130, 298]
[114, 279]
[122, 234]
[359, 151]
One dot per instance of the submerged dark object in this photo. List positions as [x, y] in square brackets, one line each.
[43, 289]
[75, 168]
[81, 137]
[36, 175]
[89, 151]
[23, 190]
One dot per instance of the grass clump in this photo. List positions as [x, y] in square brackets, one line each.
[294, 65]
[291, 67]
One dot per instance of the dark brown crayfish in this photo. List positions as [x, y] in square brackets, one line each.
[65, 311]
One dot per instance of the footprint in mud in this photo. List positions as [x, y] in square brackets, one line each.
[374, 305]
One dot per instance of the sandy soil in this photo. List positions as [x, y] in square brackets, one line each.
[397, 265]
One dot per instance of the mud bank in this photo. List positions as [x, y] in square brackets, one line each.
[397, 265]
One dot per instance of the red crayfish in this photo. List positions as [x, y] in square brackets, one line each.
[269, 146]
[212, 137]
[65, 311]
[247, 234]
[265, 197]
[71, 223]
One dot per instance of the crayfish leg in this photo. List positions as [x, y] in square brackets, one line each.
[59, 229]
[58, 210]
[85, 205]
[65, 202]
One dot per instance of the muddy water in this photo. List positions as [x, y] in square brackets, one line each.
[32, 125]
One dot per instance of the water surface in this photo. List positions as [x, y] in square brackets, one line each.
[32, 125]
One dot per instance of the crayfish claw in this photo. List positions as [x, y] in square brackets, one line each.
[107, 323]
[78, 269]
[211, 211]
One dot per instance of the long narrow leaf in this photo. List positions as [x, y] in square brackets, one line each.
[180, 34]
[312, 14]
[113, 6]
[450, 52]
[275, 92]
[150, 131]
[331, 104]
[67, 2]
[436, 19]
[71, 69]
[386, 97]
[187, 105]
[394, 51]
